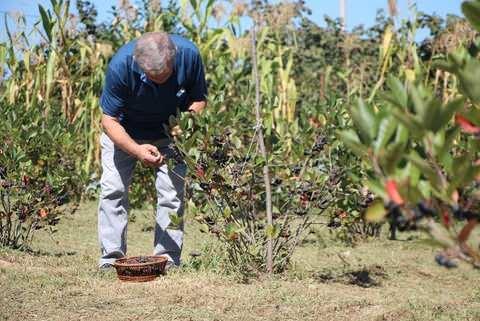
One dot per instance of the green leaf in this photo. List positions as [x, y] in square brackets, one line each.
[176, 221]
[194, 5]
[401, 136]
[444, 65]
[448, 111]
[365, 121]
[425, 189]
[376, 212]
[272, 231]
[376, 187]
[410, 173]
[466, 68]
[418, 103]
[350, 138]
[450, 135]
[172, 121]
[471, 10]
[398, 92]
[46, 22]
[411, 192]
[473, 114]
[464, 172]
[385, 131]
[426, 169]
[432, 118]
[227, 212]
[390, 158]
[410, 122]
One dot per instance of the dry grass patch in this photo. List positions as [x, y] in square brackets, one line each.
[61, 282]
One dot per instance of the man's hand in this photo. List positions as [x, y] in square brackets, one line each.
[197, 106]
[149, 155]
[146, 153]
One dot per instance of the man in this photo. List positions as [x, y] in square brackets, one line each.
[147, 80]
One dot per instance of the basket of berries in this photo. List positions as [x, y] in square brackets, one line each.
[140, 268]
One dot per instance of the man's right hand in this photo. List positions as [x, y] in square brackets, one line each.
[149, 155]
[146, 153]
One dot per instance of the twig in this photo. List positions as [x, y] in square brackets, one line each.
[261, 144]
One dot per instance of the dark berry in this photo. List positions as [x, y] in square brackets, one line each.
[296, 169]
[301, 211]
[319, 145]
[425, 210]
[205, 186]
[276, 181]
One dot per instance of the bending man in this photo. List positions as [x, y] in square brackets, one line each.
[147, 80]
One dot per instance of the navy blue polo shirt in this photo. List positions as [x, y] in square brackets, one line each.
[143, 106]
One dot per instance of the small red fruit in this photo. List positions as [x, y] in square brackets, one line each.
[43, 213]
[343, 215]
[199, 171]
[466, 125]
[392, 191]
[446, 219]
[25, 180]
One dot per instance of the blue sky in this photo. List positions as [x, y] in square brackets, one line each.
[364, 11]
[358, 11]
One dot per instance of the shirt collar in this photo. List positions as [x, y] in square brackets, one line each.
[136, 68]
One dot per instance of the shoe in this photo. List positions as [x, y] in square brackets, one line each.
[170, 266]
[105, 266]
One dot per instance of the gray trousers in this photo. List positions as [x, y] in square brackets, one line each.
[117, 170]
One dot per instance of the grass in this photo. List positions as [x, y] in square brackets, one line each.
[377, 280]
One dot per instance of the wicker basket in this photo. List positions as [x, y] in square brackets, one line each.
[132, 269]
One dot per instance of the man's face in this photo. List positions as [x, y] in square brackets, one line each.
[160, 78]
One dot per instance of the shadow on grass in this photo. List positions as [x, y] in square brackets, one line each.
[365, 277]
[49, 254]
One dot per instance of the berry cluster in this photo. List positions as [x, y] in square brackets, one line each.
[176, 154]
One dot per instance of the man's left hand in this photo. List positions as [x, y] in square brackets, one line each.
[197, 106]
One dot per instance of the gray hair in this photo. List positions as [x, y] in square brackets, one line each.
[155, 52]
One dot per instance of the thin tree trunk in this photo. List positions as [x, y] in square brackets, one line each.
[261, 144]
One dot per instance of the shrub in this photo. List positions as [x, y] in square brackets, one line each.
[424, 153]
[227, 192]
[38, 177]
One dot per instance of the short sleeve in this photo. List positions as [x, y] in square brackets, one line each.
[115, 93]
[198, 89]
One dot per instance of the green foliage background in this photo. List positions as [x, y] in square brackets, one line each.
[309, 77]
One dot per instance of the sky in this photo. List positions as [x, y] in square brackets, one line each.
[357, 11]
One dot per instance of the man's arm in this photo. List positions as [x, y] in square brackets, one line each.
[146, 153]
[114, 98]
[197, 91]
